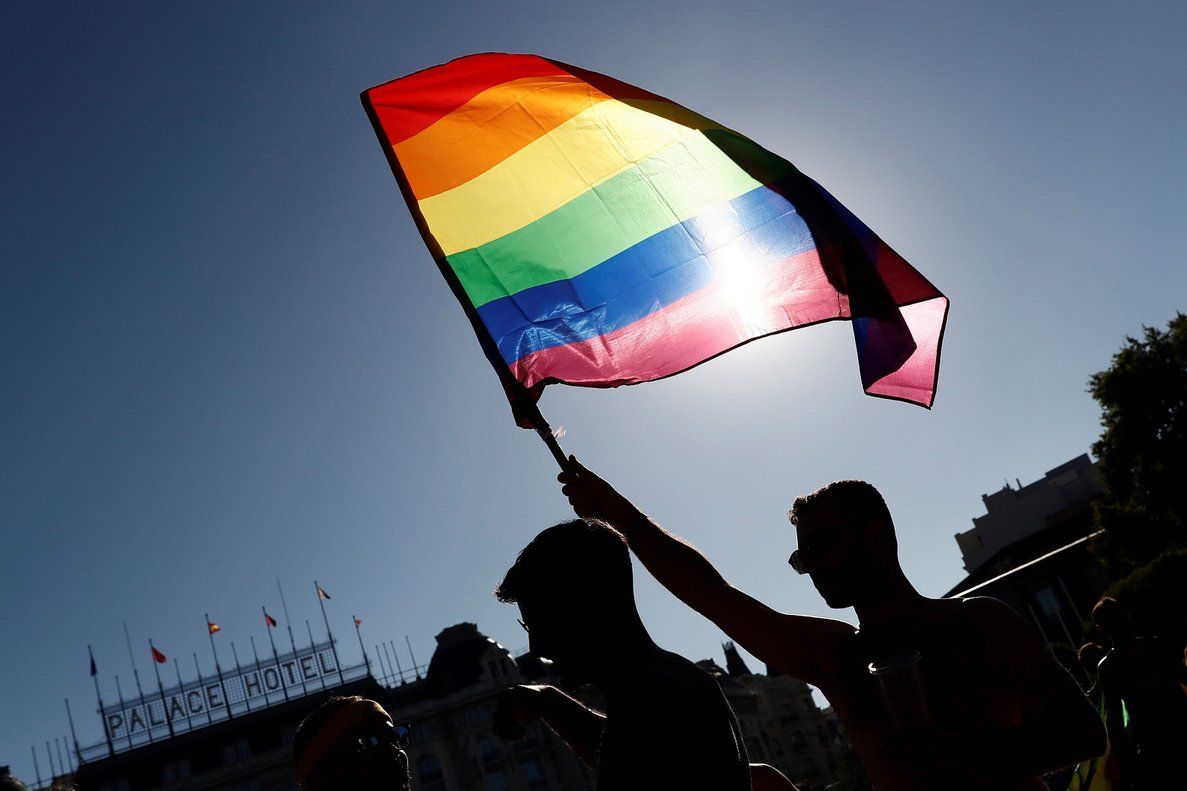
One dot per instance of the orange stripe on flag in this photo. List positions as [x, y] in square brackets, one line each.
[489, 128]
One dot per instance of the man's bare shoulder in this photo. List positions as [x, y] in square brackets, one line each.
[990, 617]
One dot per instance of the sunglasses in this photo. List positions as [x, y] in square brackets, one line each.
[365, 746]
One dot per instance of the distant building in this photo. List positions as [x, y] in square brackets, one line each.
[781, 724]
[451, 710]
[236, 731]
[1030, 550]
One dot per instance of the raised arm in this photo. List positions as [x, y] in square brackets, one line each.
[792, 643]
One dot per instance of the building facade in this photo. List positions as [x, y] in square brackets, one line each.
[1031, 550]
[780, 722]
[238, 729]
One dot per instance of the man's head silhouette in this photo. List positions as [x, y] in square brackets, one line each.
[351, 743]
[575, 594]
[846, 541]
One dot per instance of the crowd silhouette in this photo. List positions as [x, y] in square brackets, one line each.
[933, 693]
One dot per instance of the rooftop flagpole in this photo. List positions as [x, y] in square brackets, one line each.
[415, 667]
[321, 600]
[189, 722]
[396, 654]
[288, 622]
[320, 675]
[239, 675]
[218, 668]
[161, 689]
[73, 735]
[36, 766]
[205, 700]
[359, 634]
[123, 709]
[259, 673]
[136, 675]
[270, 624]
[382, 667]
[99, 697]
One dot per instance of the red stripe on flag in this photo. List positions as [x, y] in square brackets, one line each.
[414, 103]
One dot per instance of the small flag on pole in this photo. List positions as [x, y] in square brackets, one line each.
[94, 670]
[268, 619]
[358, 621]
[157, 656]
[321, 594]
[212, 626]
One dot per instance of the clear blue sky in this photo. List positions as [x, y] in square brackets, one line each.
[225, 355]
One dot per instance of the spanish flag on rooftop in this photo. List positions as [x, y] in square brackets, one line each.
[597, 234]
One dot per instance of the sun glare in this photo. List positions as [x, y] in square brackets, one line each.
[743, 285]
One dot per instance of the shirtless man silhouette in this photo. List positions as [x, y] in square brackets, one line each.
[967, 697]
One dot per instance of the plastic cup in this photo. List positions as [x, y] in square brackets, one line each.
[901, 685]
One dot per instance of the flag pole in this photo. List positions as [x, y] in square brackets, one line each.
[36, 766]
[61, 760]
[73, 735]
[160, 688]
[218, 668]
[136, 675]
[382, 667]
[321, 600]
[123, 708]
[49, 756]
[189, 721]
[275, 656]
[256, 656]
[396, 654]
[359, 634]
[98, 697]
[206, 700]
[415, 668]
[531, 412]
[288, 623]
[239, 674]
[309, 629]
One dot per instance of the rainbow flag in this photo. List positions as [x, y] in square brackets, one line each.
[600, 235]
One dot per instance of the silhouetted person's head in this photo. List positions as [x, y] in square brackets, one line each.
[1111, 619]
[846, 541]
[575, 594]
[351, 743]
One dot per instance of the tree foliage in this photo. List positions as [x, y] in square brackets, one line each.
[1142, 452]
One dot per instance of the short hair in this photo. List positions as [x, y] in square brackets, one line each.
[855, 497]
[1107, 606]
[313, 723]
[586, 556]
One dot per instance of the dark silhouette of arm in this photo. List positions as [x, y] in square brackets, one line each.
[792, 643]
[579, 725]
